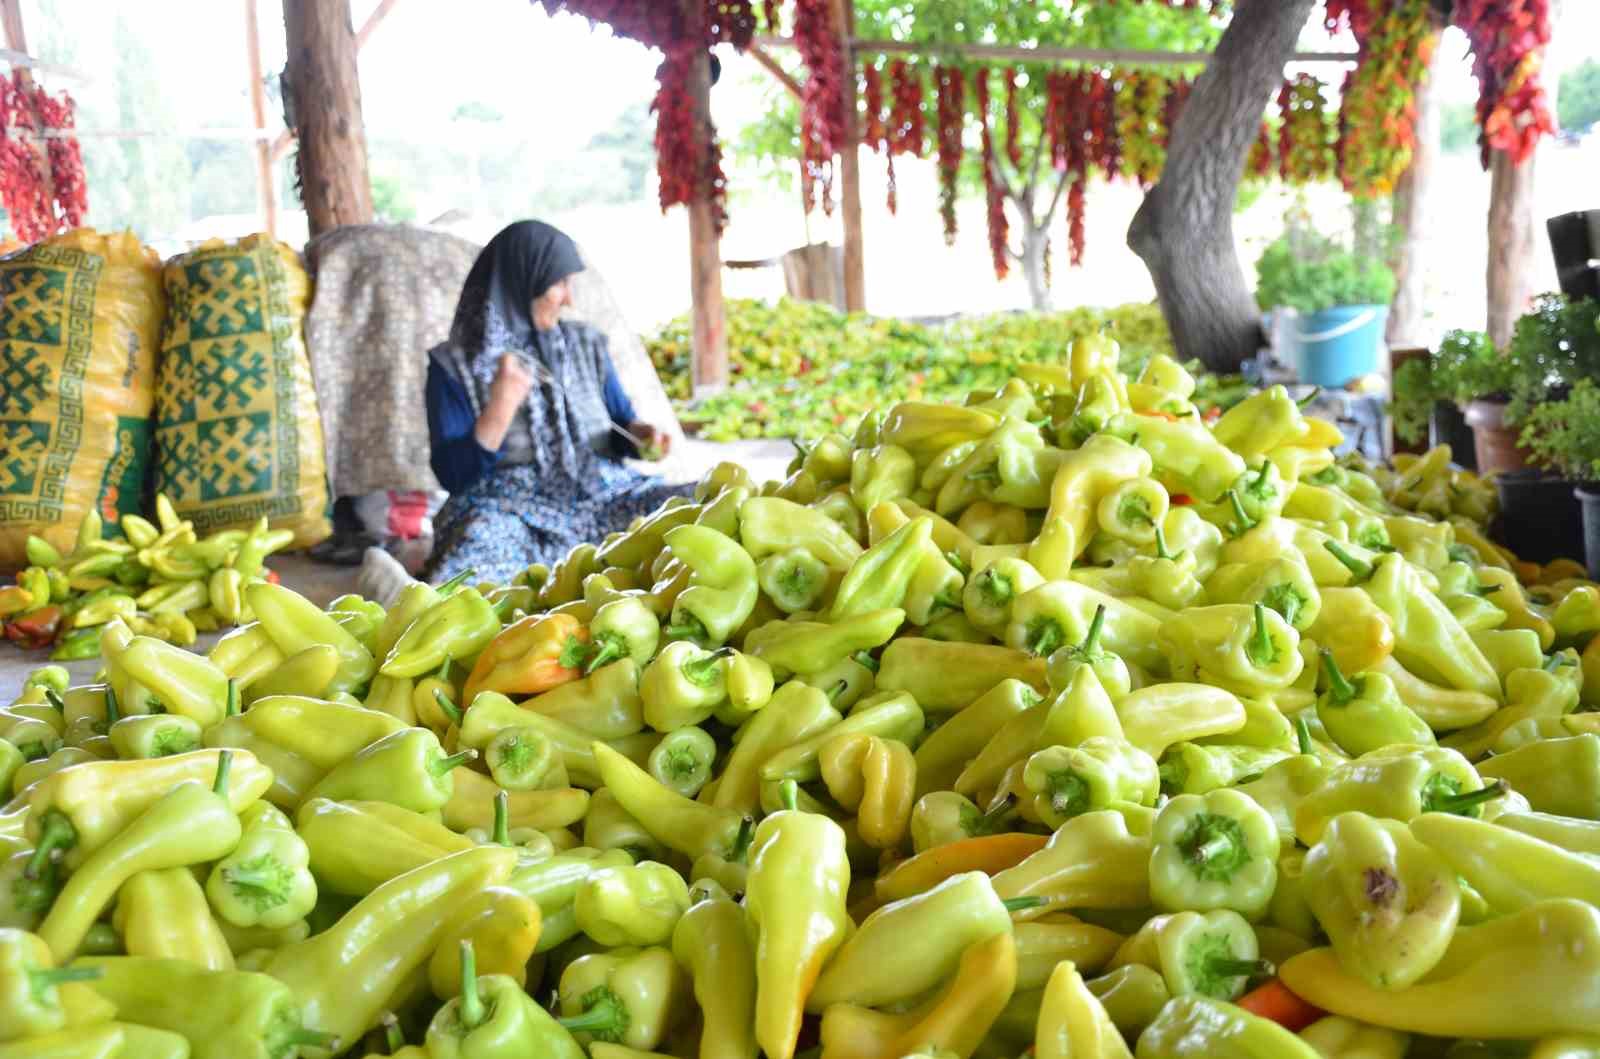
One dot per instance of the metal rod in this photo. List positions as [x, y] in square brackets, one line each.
[1020, 53]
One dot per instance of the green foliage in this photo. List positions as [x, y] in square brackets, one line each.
[1553, 347]
[391, 199]
[1466, 367]
[801, 369]
[1565, 434]
[1578, 97]
[1458, 127]
[1413, 399]
[1310, 272]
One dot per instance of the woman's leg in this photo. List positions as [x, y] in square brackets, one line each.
[494, 540]
[620, 502]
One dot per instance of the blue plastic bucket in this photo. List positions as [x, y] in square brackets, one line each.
[1336, 345]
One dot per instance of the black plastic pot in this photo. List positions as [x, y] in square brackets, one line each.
[1589, 497]
[1447, 426]
[1540, 518]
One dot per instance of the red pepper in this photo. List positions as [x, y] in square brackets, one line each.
[1275, 1001]
[35, 629]
[1180, 500]
[271, 577]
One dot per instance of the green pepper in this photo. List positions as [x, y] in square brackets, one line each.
[722, 586]
[1188, 458]
[892, 715]
[1559, 776]
[1166, 578]
[637, 905]
[770, 525]
[684, 685]
[1132, 511]
[1193, 768]
[1283, 583]
[882, 472]
[940, 817]
[1198, 1027]
[1058, 613]
[78, 645]
[1108, 666]
[882, 576]
[1132, 996]
[796, 712]
[1364, 712]
[629, 996]
[30, 986]
[795, 646]
[1212, 954]
[683, 824]
[1216, 850]
[1095, 774]
[989, 595]
[493, 1018]
[1530, 694]
[266, 880]
[1092, 861]
[405, 768]
[608, 703]
[944, 753]
[183, 682]
[455, 627]
[682, 761]
[1283, 786]
[521, 758]
[1388, 903]
[1249, 650]
[794, 579]
[154, 735]
[294, 623]
[1396, 783]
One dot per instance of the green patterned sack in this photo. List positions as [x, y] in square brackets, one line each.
[238, 435]
[80, 321]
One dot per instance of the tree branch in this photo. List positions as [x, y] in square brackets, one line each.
[1055, 200]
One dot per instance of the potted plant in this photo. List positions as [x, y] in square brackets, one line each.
[1553, 348]
[1341, 296]
[1565, 435]
[1425, 392]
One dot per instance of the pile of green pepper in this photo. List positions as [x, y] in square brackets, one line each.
[1058, 723]
[161, 580]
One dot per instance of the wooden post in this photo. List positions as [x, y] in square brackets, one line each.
[280, 146]
[1511, 244]
[17, 40]
[326, 96]
[855, 278]
[258, 111]
[1412, 218]
[705, 249]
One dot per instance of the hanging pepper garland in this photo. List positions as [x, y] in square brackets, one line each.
[1140, 112]
[1013, 120]
[999, 226]
[25, 182]
[1378, 109]
[822, 99]
[874, 131]
[952, 115]
[907, 122]
[1262, 153]
[1305, 139]
[1508, 40]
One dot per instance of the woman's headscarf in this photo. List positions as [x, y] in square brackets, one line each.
[567, 421]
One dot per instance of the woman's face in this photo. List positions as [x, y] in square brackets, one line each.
[547, 307]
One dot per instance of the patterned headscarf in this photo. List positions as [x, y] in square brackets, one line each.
[567, 419]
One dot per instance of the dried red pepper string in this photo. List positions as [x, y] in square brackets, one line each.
[874, 132]
[1378, 108]
[906, 120]
[999, 226]
[1013, 120]
[1508, 40]
[952, 114]
[25, 184]
[822, 98]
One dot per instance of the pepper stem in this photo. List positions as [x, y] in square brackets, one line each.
[688, 627]
[1212, 848]
[391, 1032]
[1161, 547]
[838, 689]
[1262, 651]
[992, 819]
[219, 786]
[231, 709]
[114, 713]
[962, 566]
[1091, 642]
[53, 697]
[604, 1014]
[1302, 734]
[1261, 474]
[443, 672]
[611, 649]
[1022, 904]
[1229, 967]
[305, 1038]
[1245, 521]
[472, 1012]
[741, 841]
[865, 661]
[445, 764]
[996, 587]
[1305, 402]
[789, 795]
[55, 832]
[502, 818]
[1045, 636]
[1359, 569]
[446, 707]
[456, 581]
[1456, 803]
[1339, 686]
[44, 978]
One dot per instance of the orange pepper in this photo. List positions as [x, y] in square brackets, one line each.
[532, 655]
[985, 853]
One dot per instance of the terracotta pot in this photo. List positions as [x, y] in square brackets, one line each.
[1494, 441]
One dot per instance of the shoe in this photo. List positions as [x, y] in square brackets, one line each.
[382, 578]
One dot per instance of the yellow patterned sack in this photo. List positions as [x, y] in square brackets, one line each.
[80, 323]
[238, 435]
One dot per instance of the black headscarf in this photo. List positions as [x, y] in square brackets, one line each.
[492, 316]
[566, 418]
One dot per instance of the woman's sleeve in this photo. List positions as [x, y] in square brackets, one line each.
[617, 402]
[458, 460]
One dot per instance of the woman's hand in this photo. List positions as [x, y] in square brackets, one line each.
[506, 394]
[654, 443]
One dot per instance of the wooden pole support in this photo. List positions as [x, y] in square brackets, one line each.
[705, 243]
[258, 112]
[855, 279]
[327, 107]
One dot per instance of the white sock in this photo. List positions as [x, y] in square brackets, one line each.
[382, 578]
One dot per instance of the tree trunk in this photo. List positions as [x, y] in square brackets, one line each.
[1511, 244]
[1412, 219]
[326, 95]
[1184, 229]
[1035, 244]
[855, 281]
[710, 330]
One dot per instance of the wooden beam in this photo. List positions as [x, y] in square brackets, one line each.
[710, 342]
[280, 145]
[1019, 53]
[322, 82]
[761, 56]
[258, 112]
[855, 281]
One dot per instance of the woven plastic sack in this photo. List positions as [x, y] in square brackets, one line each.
[238, 435]
[80, 324]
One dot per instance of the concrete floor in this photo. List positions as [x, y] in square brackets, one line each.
[322, 583]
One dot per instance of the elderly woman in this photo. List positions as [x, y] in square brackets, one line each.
[528, 423]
